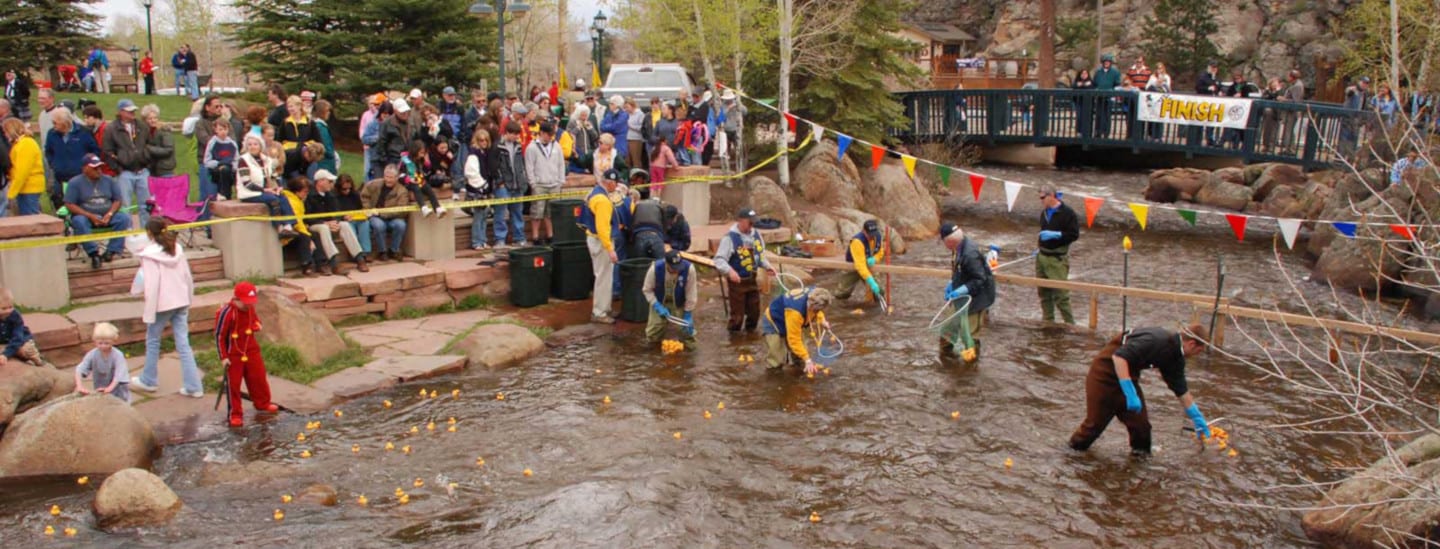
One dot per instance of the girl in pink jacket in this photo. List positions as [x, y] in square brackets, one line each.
[164, 278]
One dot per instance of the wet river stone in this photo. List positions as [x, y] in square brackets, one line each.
[134, 497]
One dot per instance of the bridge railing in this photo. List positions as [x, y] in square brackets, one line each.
[1302, 133]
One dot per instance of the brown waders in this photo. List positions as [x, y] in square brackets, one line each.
[1105, 401]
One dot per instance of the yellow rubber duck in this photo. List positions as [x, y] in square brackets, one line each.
[82, 481]
[362, 500]
[1009, 463]
[450, 429]
[455, 393]
[399, 492]
[339, 414]
[355, 448]
[314, 426]
[54, 510]
[279, 515]
[405, 449]
[707, 414]
[499, 396]
[389, 446]
[814, 517]
[423, 392]
[430, 426]
[285, 498]
[414, 429]
[720, 406]
[434, 393]
[300, 437]
[607, 399]
[450, 421]
[49, 530]
[1232, 453]
[387, 404]
[479, 462]
[809, 375]
[404, 499]
[305, 454]
[70, 532]
[678, 436]
[418, 482]
[968, 355]
[955, 414]
[527, 472]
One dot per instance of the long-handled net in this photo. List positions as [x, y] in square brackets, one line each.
[952, 323]
[828, 348]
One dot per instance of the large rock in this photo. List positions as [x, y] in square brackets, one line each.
[1221, 193]
[1276, 176]
[1374, 257]
[818, 225]
[495, 345]
[1167, 186]
[769, 200]
[134, 497]
[850, 221]
[1296, 202]
[285, 322]
[75, 435]
[903, 202]
[1392, 498]
[23, 387]
[318, 494]
[827, 181]
[1349, 190]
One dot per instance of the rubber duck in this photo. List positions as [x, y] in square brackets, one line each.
[399, 492]
[707, 414]
[387, 404]
[451, 420]
[1232, 453]
[418, 482]
[405, 449]
[404, 499]
[720, 406]
[389, 446]
[82, 481]
[279, 515]
[814, 517]
[362, 500]
[314, 425]
[434, 393]
[49, 530]
[423, 392]
[70, 532]
[414, 429]
[430, 426]
[285, 498]
[825, 371]
[810, 375]
[339, 414]
[607, 399]
[305, 454]
[450, 488]
[450, 429]
[300, 437]
[955, 414]
[455, 393]
[499, 396]
[54, 510]
[597, 370]
[527, 472]
[1009, 463]
[354, 448]
[479, 462]
[858, 312]
[678, 436]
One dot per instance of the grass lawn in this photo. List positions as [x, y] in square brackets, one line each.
[173, 108]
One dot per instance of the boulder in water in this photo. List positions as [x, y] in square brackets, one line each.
[1374, 257]
[134, 497]
[825, 180]
[75, 435]
[1167, 186]
[23, 387]
[1224, 194]
[1386, 502]
[1276, 176]
[901, 201]
[318, 494]
[500, 344]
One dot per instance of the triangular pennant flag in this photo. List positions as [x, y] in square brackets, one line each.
[1403, 230]
[1288, 229]
[790, 122]
[877, 155]
[1092, 207]
[1141, 211]
[1187, 215]
[817, 132]
[844, 143]
[976, 182]
[944, 175]
[1012, 190]
[1237, 223]
[1347, 229]
[909, 162]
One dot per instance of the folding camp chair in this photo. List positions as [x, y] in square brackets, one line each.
[172, 202]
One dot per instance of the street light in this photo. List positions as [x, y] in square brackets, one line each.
[135, 59]
[597, 33]
[149, 38]
[484, 8]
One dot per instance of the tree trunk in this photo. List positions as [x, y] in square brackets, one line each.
[563, 43]
[1047, 43]
[1394, 44]
[787, 47]
[704, 50]
[738, 60]
[1099, 31]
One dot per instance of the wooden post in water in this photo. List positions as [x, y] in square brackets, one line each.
[1094, 310]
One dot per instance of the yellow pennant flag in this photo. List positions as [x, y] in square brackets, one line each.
[1142, 212]
[909, 162]
[595, 76]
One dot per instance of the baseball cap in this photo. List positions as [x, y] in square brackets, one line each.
[92, 160]
[324, 174]
[126, 105]
[947, 229]
[449, 90]
[1365, 79]
[415, 93]
[378, 99]
[672, 257]
[245, 293]
[745, 213]
[400, 106]
[872, 226]
[612, 174]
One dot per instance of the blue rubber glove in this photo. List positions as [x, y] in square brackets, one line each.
[690, 319]
[1132, 399]
[660, 309]
[870, 261]
[874, 286]
[952, 295]
[995, 248]
[1202, 429]
[1050, 235]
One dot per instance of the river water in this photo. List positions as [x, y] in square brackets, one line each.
[871, 448]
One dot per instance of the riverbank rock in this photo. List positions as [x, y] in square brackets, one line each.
[134, 497]
[285, 322]
[501, 344]
[769, 200]
[1222, 193]
[1296, 202]
[75, 435]
[1371, 508]
[850, 221]
[1374, 256]
[825, 180]
[901, 201]
[818, 225]
[1167, 186]
[1276, 176]
[318, 494]
[23, 387]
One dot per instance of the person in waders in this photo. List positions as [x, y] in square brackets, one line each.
[672, 289]
[970, 276]
[785, 322]
[866, 248]
[1059, 228]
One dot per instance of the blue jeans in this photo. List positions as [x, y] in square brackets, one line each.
[83, 226]
[27, 204]
[389, 233]
[478, 216]
[362, 233]
[4, 204]
[516, 221]
[134, 192]
[192, 81]
[179, 81]
[278, 207]
[179, 322]
[207, 187]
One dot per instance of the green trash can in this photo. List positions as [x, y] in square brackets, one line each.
[633, 307]
[530, 276]
[564, 215]
[573, 277]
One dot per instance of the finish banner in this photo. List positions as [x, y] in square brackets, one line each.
[1195, 110]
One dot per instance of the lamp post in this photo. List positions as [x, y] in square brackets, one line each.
[484, 8]
[149, 37]
[135, 60]
[598, 33]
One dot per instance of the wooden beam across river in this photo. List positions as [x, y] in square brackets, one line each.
[1207, 301]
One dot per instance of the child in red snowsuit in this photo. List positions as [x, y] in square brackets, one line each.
[236, 325]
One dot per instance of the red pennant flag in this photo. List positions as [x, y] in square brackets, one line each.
[1403, 230]
[1092, 207]
[877, 154]
[1237, 223]
[976, 182]
[790, 121]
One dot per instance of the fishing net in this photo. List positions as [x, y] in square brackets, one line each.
[952, 323]
[828, 348]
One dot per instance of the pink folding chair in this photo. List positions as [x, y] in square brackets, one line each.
[172, 201]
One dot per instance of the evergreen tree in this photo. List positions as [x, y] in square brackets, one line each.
[351, 48]
[40, 34]
[1178, 34]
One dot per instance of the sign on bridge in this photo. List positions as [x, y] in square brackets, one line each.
[1195, 110]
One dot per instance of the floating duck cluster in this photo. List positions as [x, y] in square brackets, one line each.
[671, 346]
[747, 359]
[1222, 441]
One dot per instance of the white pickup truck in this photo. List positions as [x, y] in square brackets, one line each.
[668, 81]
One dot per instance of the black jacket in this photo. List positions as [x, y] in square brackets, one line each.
[512, 169]
[1065, 221]
[970, 269]
[124, 152]
[394, 139]
[277, 117]
[1206, 84]
[317, 203]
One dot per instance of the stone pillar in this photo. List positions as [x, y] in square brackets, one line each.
[429, 238]
[247, 248]
[37, 276]
[693, 199]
